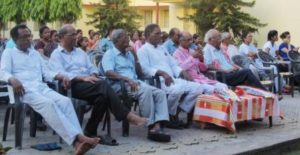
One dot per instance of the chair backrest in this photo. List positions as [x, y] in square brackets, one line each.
[294, 56]
[265, 57]
[95, 57]
[241, 61]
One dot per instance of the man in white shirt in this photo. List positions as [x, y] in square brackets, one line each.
[25, 70]
[270, 46]
[156, 61]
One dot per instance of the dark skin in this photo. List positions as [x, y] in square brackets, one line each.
[123, 46]
[68, 42]
[155, 38]
[23, 42]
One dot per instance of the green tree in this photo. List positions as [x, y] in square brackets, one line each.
[224, 15]
[66, 11]
[116, 14]
[40, 11]
[17, 11]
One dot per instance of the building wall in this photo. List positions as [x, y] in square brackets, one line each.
[281, 15]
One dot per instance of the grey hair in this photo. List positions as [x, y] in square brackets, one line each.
[64, 30]
[225, 35]
[116, 35]
[209, 35]
[182, 35]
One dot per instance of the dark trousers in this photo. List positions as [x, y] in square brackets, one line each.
[101, 96]
[243, 77]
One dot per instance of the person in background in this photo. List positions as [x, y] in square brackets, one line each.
[83, 43]
[164, 36]
[79, 33]
[173, 41]
[106, 43]
[95, 42]
[226, 45]
[44, 39]
[197, 42]
[52, 45]
[286, 46]
[270, 46]
[139, 42]
[134, 36]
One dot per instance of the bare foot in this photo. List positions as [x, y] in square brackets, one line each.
[82, 148]
[92, 141]
[136, 120]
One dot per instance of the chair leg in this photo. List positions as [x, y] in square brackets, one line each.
[125, 128]
[19, 120]
[33, 122]
[292, 85]
[270, 121]
[6, 121]
[108, 122]
[12, 116]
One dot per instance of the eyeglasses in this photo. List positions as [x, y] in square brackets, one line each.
[71, 35]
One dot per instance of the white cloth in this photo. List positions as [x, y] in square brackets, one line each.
[273, 48]
[30, 69]
[157, 58]
[245, 49]
[232, 50]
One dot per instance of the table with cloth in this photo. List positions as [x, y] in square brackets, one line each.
[216, 110]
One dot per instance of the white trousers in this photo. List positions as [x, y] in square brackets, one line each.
[189, 89]
[57, 110]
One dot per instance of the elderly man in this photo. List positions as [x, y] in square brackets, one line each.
[156, 60]
[124, 65]
[75, 64]
[216, 59]
[173, 41]
[189, 60]
[24, 71]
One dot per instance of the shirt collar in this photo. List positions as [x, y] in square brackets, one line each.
[61, 49]
[29, 50]
[118, 52]
[183, 49]
[150, 45]
[211, 47]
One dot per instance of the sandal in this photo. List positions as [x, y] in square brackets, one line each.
[159, 136]
[108, 140]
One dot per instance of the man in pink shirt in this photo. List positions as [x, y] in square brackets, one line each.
[189, 60]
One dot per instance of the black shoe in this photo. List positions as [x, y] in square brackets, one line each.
[41, 126]
[158, 136]
[175, 125]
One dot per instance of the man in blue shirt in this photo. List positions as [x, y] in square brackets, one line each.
[172, 43]
[118, 63]
[106, 43]
[75, 64]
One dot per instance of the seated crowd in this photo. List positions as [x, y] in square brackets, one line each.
[180, 60]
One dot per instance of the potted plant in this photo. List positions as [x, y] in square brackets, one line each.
[3, 150]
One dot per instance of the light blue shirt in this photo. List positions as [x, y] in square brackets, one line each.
[211, 54]
[170, 46]
[71, 64]
[120, 63]
[10, 44]
[28, 67]
[106, 44]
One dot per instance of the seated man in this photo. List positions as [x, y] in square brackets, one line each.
[189, 60]
[120, 64]
[24, 70]
[156, 60]
[75, 64]
[172, 43]
[215, 59]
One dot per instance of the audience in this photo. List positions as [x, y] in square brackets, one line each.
[171, 44]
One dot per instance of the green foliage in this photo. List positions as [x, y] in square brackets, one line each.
[114, 14]
[15, 10]
[42, 11]
[224, 15]
[66, 11]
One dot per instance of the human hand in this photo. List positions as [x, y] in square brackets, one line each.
[17, 86]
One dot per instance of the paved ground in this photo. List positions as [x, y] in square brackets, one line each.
[212, 140]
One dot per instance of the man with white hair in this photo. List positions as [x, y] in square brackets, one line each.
[227, 47]
[215, 59]
[120, 64]
[156, 61]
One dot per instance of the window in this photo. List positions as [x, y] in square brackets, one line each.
[147, 17]
[164, 18]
